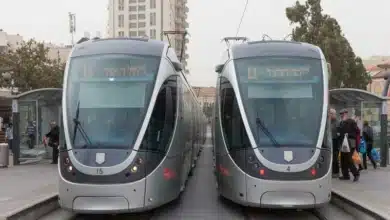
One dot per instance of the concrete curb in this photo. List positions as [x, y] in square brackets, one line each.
[347, 203]
[34, 210]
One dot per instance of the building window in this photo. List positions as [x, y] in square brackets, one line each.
[153, 18]
[132, 17]
[141, 33]
[141, 8]
[153, 33]
[121, 21]
[152, 4]
[132, 25]
[132, 1]
[121, 33]
[141, 24]
[141, 16]
[132, 8]
[121, 5]
[132, 33]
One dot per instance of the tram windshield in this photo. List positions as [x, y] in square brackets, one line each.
[283, 99]
[107, 99]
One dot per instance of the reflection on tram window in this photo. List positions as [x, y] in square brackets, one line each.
[286, 96]
[162, 121]
[234, 131]
[109, 96]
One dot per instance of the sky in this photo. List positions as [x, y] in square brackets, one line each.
[362, 21]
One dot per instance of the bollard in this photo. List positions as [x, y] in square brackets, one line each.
[4, 155]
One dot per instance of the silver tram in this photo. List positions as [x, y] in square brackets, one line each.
[132, 127]
[271, 139]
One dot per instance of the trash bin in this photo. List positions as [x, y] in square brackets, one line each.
[4, 155]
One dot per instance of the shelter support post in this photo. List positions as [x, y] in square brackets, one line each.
[383, 138]
[16, 134]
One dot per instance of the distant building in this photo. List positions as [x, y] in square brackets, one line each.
[376, 73]
[139, 18]
[205, 95]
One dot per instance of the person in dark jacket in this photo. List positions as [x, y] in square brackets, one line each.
[54, 139]
[31, 132]
[368, 136]
[334, 123]
[348, 127]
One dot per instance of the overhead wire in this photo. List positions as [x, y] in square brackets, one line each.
[242, 17]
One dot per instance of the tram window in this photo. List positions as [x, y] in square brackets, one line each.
[162, 121]
[233, 126]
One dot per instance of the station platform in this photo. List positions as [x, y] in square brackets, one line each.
[24, 186]
[370, 192]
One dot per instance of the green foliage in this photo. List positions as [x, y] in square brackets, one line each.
[31, 67]
[208, 109]
[314, 27]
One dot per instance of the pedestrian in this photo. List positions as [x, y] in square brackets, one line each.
[368, 136]
[335, 142]
[31, 132]
[9, 135]
[54, 139]
[348, 137]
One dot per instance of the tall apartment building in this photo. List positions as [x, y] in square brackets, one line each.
[140, 18]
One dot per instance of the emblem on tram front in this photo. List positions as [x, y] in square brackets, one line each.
[288, 156]
[100, 158]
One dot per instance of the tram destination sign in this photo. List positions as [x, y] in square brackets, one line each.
[118, 67]
[278, 73]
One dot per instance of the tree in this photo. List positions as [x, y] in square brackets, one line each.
[208, 109]
[314, 27]
[30, 67]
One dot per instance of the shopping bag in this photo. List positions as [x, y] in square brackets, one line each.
[362, 146]
[356, 158]
[375, 154]
[345, 146]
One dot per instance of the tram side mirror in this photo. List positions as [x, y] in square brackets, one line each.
[178, 67]
[219, 68]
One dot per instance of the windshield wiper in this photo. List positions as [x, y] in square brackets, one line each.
[260, 124]
[77, 125]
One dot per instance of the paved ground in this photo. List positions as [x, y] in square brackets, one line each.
[371, 191]
[25, 184]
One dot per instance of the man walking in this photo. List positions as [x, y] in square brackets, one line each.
[334, 123]
[348, 132]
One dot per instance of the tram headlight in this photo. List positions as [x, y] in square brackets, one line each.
[134, 169]
[69, 169]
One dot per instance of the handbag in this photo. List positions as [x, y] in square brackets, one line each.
[345, 148]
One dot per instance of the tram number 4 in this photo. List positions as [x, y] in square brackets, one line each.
[99, 171]
[288, 169]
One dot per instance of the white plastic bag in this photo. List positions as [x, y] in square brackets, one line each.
[345, 146]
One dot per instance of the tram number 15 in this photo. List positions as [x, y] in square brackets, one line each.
[99, 171]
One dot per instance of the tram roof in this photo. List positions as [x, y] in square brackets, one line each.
[139, 46]
[275, 48]
[350, 95]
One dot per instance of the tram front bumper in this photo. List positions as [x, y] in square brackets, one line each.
[115, 198]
